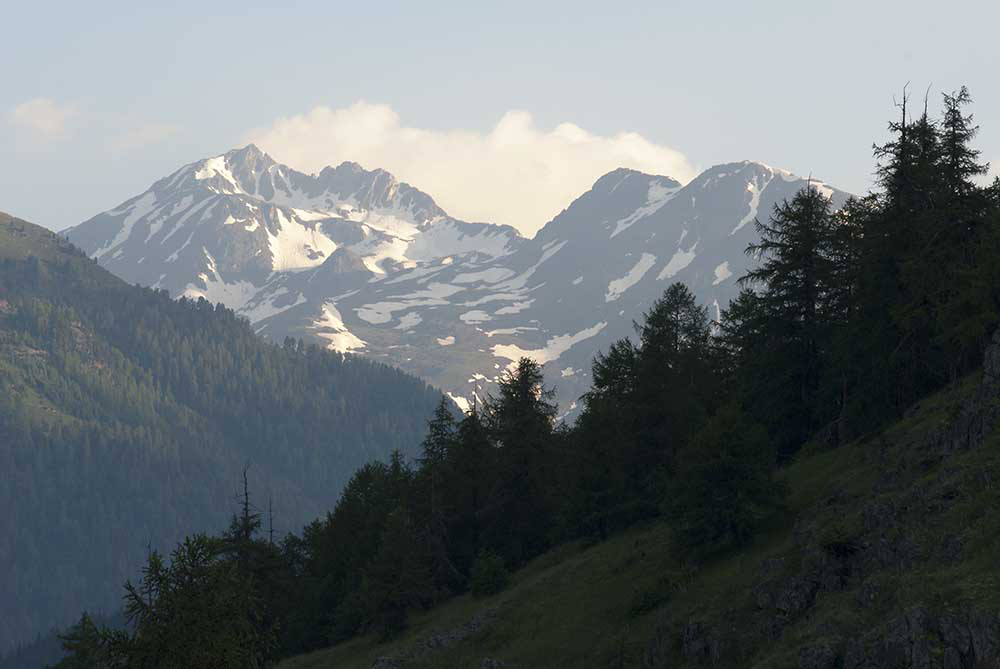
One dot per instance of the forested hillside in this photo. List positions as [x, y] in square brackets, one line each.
[884, 557]
[127, 419]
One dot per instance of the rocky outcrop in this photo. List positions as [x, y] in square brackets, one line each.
[428, 645]
[921, 639]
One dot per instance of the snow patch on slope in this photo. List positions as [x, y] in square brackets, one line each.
[658, 196]
[409, 321]
[142, 207]
[474, 317]
[435, 294]
[722, 272]
[515, 308]
[617, 287]
[296, 246]
[217, 167]
[446, 238]
[679, 261]
[553, 348]
[462, 403]
[755, 189]
[519, 282]
[491, 275]
[331, 327]
[258, 308]
[234, 295]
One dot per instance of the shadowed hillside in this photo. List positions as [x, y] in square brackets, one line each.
[885, 557]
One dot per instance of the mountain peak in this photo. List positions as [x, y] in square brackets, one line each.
[350, 166]
[249, 149]
[343, 261]
[250, 152]
[248, 162]
[756, 175]
[747, 166]
[615, 178]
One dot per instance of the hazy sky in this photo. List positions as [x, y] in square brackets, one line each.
[501, 113]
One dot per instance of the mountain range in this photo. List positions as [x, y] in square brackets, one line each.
[366, 264]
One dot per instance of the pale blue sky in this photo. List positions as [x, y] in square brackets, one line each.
[124, 94]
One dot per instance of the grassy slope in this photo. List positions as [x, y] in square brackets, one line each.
[18, 240]
[600, 606]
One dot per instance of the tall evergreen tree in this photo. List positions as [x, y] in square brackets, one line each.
[674, 384]
[520, 420]
[603, 498]
[963, 305]
[794, 277]
[471, 478]
[435, 507]
[398, 578]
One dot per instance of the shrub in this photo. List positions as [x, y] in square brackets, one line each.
[489, 575]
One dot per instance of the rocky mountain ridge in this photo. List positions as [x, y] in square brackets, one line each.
[366, 264]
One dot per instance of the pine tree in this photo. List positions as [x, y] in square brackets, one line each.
[674, 385]
[199, 610]
[88, 646]
[795, 277]
[963, 303]
[435, 507]
[601, 498]
[398, 578]
[520, 421]
[471, 478]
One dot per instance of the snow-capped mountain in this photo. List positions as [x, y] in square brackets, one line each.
[365, 264]
[222, 227]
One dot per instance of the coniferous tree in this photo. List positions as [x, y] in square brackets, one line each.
[674, 386]
[741, 350]
[794, 276]
[198, 610]
[520, 421]
[471, 478]
[435, 506]
[89, 646]
[399, 577]
[603, 497]
[966, 313]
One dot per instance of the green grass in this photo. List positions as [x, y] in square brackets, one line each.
[540, 616]
[19, 239]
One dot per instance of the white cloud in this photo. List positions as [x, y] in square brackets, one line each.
[144, 133]
[43, 117]
[516, 173]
